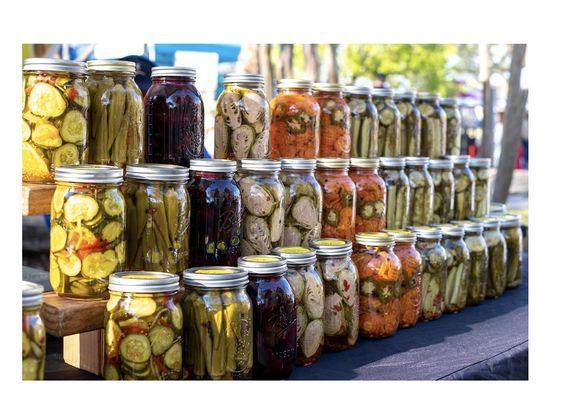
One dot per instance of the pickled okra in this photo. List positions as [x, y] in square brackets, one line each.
[464, 188]
[34, 339]
[364, 122]
[458, 266]
[420, 208]
[397, 192]
[453, 130]
[510, 226]
[433, 125]
[444, 189]
[389, 138]
[410, 124]
[480, 168]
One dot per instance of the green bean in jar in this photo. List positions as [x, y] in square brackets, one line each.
[410, 124]
[444, 189]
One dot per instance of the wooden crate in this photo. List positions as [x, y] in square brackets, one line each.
[36, 198]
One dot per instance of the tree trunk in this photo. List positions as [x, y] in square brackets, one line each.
[266, 68]
[333, 68]
[249, 59]
[285, 66]
[311, 62]
[487, 146]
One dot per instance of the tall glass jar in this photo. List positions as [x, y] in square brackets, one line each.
[458, 267]
[465, 188]
[295, 121]
[33, 337]
[143, 327]
[497, 257]
[263, 198]
[341, 293]
[87, 230]
[480, 168]
[274, 315]
[303, 202]
[117, 113]
[335, 119]
[364, 121]
[390, 144]
[433, 125]
[218, 329]
[371, 195]
[444, 190]
[380, 277]
[397, 192]
[421, 191]
[216, 213]
[158, 208]
[410, 124]
[338, 198]
[510, 226]
[453, 130]
[55, 105]
[174, 127]
[497, 209]
[242, 118]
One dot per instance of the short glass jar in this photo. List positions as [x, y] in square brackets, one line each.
[497, 209]
[397, 202]
[371, 195]
[464, 188]
[510, 226]
[364, 121]
[335, 119]
[421, 191]
[410, 124]
[458, 267]
[454, 123]
[34, 342]
[480, 168]
[389, 139]
[443, 190]
[433, 125]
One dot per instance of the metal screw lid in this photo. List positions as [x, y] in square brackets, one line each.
[374, 239]
[215, 277]
[510, 221]
[157, 172]
[359, 90]
[212, 165]
[480, 162]
[244, 78]
[186, 72]
[263, 264]
[54, 64]
[440, 163]
[298, 163]
[111, 66]
[469, 226]
[417, 161]
[448, 101]
[294, 84]
[405, 94]
[426, 232]
[488, 222]
[458, 160]
[427, 96]
[332, 163]
[402, 235]
[296, 256]
[370, 163]
[382, 92]
[331, 247]
[143, 282]
[392, 162]
[497, 209]
[255, 164]
[89, 174]
[327, 87]
[31, 294]
[451, 230]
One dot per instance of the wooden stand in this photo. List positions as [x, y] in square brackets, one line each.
[36, 198]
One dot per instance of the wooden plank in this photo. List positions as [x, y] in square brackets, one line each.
[84, 351]
[36, 198]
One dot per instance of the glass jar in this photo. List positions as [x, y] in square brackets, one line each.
[380, 277]
[263, 219]
[364, 125]
[338, 198]
[371, 195]
[453, 129]
[303, 202]
[421, 191]
[274, 315]
[458, 267]
[143, 327]
[497, 209]
[218, 331]
[433, 125]
[397, 192]
[335, 120]
[308, 290]
[510, 226]
[480, 168]
[410, 124]
[117, 113]
[158, 209]
[443, 190]
[497, 257]
[464, 188]
[389, 139]
[175, 131]
[242, 118]
[295, 121]
[216, 213]
[55, 105]
[33, 338]
[87, 230]
[341, 293]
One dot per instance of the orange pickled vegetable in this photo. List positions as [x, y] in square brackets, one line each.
[335, 128]
[410, 293]
[371, 199]
[338, 205]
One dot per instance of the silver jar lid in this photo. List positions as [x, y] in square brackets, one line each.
[215, 277]
[487, 222]
[31, 294]
[332, 163]
[359, 90]
[392, 162]
[426, 232]
[143, 282]
[263, 264]
[327, 87]
[258, 164]
[440, 163]
[112, 66]
[212, 165]
[54, 64]
[186, 72]
[382, 92]
[480, 162]
[402, 235]
[417, 161]
[510, 221]
[294, 84]
[157, 172]
[88, 173]
[497, 209]
[458, 160]
[405, 94]
[448, 101]
[427, 96]
[296, 256]
[307, 164]
[469, 226]
[327, 247]
[370, 163]
[244, 78]
[451, 230]
[374, 239]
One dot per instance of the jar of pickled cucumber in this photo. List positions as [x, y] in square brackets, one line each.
[338, 198]
[274, 314]
[158, 208]
[262, 195]
[421, 191]
[454, 123]
[335, 120]
[87, 229]
[303, 202]
[380, 277]
[465, 188]
[295, 121]
[397, 192]
[497, 209]
[55, 105]
[242, 118]
[390, 144]
[341, 292]
[410, 124]
[308, 289]
[143, 327]
[480, 168]
[441, 171]
[458, 267]
[117, 113]
[218, 341]
[371, 195]
[33, 338]
[433, 125]
[510, 226]
[216, 213]
[364, 121]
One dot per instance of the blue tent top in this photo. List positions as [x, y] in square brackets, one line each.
[165, 52]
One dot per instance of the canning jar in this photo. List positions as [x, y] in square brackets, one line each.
[174, 131]
[33, 338]
[389, 138]
[335, 120]
[308, 290]
[453, 128]
[55, 105]
[458, 267]
[497, 209]
[380, 277]
[295, 121]
[143, 327]
[464, 188]
[510, 226]
[338, 198]
[364, 121]
[218, 324]
[397, 192]
[421, 191]
[410, 124]
[274, 316]
[480, 168]
[263, 215]
[443, 190]
[87, 229]
[303, 202]
[371, 195]
[242, 118]
[433, 125]
[216, 213]
[341, 293]
[158, 209]
[117, 113]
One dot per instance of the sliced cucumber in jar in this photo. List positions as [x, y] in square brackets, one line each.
[177, 318]
[25, 131]
[46, 135]
[74, 127]
[172, 358]
[135, 348]
[57, 238]
[29, 368]
[111, 231]
[99, 265]
[58, 198]
[110, 373]
[46, 101]
[142, 306]
[161, 338]
[69, 264]
[80, 207]
[112, 206]
[67, 154]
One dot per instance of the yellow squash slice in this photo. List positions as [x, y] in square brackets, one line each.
[35, 165]
[99, 265]
[74, 127]
[46, 100]
[46, 135]
[80, 207]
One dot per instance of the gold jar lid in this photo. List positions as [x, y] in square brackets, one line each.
[263, 264]
[143, 282]
[215, 277]
[331, 247]
[374, 239]
[296, 256]
[402, 235]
